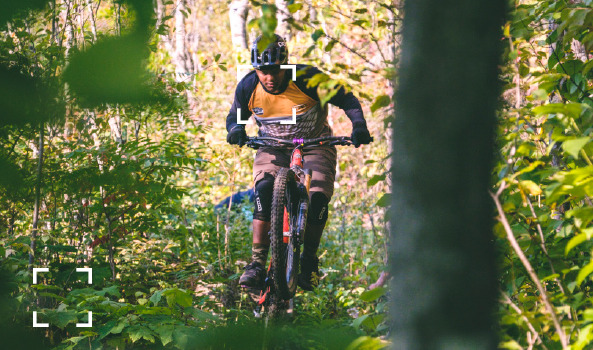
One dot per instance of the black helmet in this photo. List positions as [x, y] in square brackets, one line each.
[276, 53]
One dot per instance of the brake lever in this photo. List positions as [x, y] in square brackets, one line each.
[252, 144]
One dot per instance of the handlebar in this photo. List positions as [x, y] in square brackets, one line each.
[257, 142]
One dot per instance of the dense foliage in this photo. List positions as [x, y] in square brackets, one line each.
[113, 157]
[543, 176]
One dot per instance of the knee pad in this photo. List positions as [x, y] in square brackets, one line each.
[263, 197]
[318, 209]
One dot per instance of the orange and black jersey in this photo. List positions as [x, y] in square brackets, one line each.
[274, 113]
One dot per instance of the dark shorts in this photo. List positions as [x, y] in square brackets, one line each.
[321, 160]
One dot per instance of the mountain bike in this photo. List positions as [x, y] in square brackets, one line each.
[290, 204]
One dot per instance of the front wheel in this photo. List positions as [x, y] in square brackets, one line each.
[285, 254]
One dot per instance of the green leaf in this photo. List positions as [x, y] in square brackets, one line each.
[577, 182]
[528, 168]
[376, 178]
[584, 338]
[165, 333]
[366, 343]
[75, 340]
[380, 102]
[574, 146]
[317, 34]
[317, 79]
[360, 22]
[330, 46]
[292, 8]
[327, 96]
[267, 24]
[584, 215]
[530, 187]
[138, 332]
[373, 321]
[373, 294]
[588, 315]
[309, 50]
[113, 290]
[510, 345]
[572, 67]
[361, 10]
[359, 320]
[61, 248]
[355, 77]
[177, 296]
[385, 200]
[112, 327]
[584, 272]
[156, 297]
[113, 71]
[52, 295]
[59, 318]
[216, 57]
[578, 239]
[201, 315]
[572, 110]
[589, 65]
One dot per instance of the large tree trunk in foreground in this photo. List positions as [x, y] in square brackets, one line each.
[442, 254]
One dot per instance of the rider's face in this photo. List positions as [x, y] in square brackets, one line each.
[271, 78]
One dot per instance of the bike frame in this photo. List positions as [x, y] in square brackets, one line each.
[303, 177]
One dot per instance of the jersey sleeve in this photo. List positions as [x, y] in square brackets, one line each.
[342, 99]
[241, 102]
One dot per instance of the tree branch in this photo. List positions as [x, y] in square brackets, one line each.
[507, 300]
[515, 245]
[543, 245]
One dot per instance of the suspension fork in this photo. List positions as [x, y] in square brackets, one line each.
[304, 183]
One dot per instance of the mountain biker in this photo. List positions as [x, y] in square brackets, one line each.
[270, 95]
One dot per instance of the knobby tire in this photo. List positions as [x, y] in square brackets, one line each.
[285, 265]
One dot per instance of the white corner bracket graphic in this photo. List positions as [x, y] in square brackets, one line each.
[241, 122]
[293, 120]
[35, 323]
[38, 325]
[89, 323]
[243, 70]
[282, 66]
[292, 67]
[38, 269]
[88, 270]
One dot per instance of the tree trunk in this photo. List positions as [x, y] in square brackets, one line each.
[180, 55]
[68, 29]
[92, 18]
[161, 12]
[238, 10]
[283, 15]
[442, 256]
[185, 47]
[37, 196]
